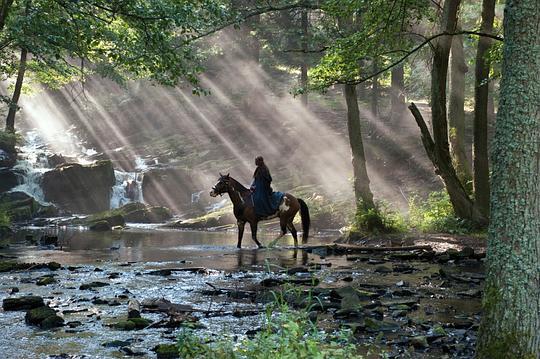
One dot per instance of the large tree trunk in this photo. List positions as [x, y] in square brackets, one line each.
[304, 66]
[397, 98]
[5, 5]
[13, 105]
[456, 110]
[481, 91]
[362, 191]
[510, 324]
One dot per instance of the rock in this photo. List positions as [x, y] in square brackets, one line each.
[13, 290]
[8, 153]
[167, 351]
[154, 214]
[130, 352]
[100, 226]
[438, 331]
[466, 252]
[55, 160]
[8, 178]
[134, 309]
[22, 303]
[419, 342]
[43, 317]
[46, 280]
[116, 344]
[383, 269]
[92, 285]
[374, 325]
[132, 324]
[80, 188]
[48, 240]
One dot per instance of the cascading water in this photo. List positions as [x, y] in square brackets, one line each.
[128, 188]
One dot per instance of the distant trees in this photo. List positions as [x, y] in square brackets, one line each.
[510, 324]
[62, 40]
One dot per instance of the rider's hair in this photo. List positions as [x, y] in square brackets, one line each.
[259, 160]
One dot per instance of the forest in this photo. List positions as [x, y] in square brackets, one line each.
[270, 179]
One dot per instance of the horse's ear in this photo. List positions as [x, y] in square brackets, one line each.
[220, 175]
[228, 174]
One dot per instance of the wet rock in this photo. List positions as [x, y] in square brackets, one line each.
[402, 283]
[134, 309]
[130, 352]
[374, 325]
[93, 285]
[116, 343]
[54, 266]
[419, 342]
[46, 280]
[141, 213]
[13, 290]
[44, 317]
[165, 306]
[403, 268]
[80, 188]
[383, 270]
[471, 293]
[8, 178]
[466, 252]
[22, 303]
[74, 324]
[46, 240]
[132, 324]
[167, 351]
[23, 207]
[438, 331]
[100, 226]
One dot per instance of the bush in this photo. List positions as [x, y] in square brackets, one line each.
[286, 334]
[436, 214]
[8, 141]
[5, 219]
[381, 219]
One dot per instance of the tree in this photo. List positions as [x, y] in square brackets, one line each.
[511, 304]
[121, 40]
[481, 91]
[456, 110]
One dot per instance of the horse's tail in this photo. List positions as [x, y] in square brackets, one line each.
[306, 221]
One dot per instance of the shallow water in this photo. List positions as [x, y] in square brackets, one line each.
[132, 254]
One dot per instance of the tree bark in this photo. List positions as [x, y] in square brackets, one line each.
[5, 6]
[362, 190]
[304, 66]
[397, 96]
[13, 105]
[510, 324]
[456, 110]
[481, 91]
[462, 204]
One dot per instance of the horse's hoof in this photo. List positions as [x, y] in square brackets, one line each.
[261, 247]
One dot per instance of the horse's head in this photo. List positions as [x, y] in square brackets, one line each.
[222, 186]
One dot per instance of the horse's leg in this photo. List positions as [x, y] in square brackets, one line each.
[253, 225]
[290, 225]
[241, 225]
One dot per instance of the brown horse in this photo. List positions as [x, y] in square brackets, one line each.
[244, 210]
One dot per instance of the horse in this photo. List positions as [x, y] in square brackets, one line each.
[244, 210]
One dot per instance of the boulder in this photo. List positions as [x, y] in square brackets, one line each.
[80, 188]
[155, 214]
[179, 189]
[23, 207]
[8, 179]
[22, 303]
[44, 317]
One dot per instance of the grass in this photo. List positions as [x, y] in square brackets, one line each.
[284, 334]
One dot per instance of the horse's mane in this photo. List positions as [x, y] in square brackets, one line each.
[237, 185]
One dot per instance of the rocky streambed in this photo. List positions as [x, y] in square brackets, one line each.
[123, 294]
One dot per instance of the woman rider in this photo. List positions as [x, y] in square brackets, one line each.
[262, 191]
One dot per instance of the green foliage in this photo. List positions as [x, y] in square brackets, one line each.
[435, 214]
[5, 219]
[8, 141]
[286, 334]
[378, 220]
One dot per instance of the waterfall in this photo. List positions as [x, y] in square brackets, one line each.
[31, 164]
[128, 188]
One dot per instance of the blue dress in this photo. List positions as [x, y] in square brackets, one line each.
[266, 201]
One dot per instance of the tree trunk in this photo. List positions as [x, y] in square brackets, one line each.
[304, 66]
[362, 191]
[5, 5]
[375, 92]
[510, 324]
[456, 110]
[397, 96]
[481, 91]
[13, 105]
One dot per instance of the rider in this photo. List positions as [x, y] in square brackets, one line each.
[262, 191]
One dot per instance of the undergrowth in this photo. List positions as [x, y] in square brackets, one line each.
[5, 219]
[284, 334]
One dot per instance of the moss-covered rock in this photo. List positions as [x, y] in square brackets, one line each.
[167, 351]
[44, 317]
[100, 226]
[22, 303]
[93, 285]
[132, 324]
[45, 280]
